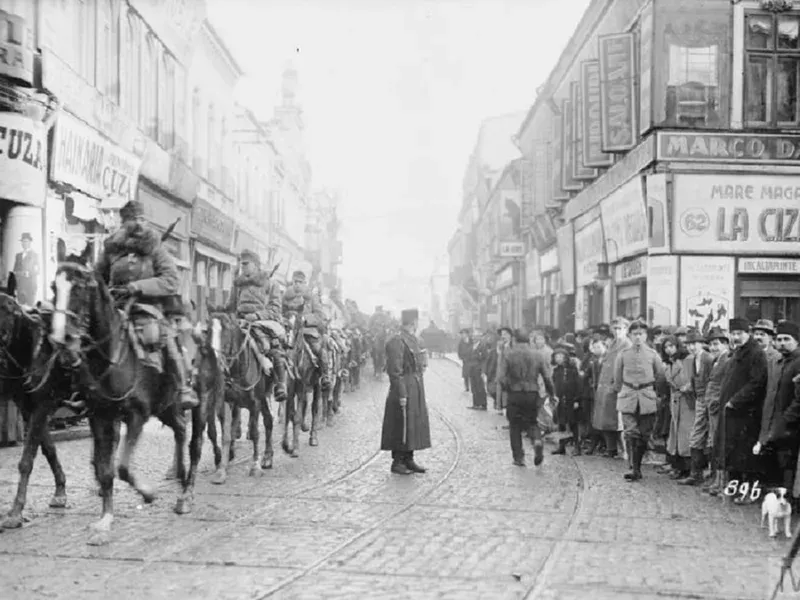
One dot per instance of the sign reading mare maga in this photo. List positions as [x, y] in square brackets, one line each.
[752, 214]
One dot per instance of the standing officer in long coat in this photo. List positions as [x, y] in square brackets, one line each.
[406, 427]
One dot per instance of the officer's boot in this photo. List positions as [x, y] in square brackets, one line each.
[399, 463]
[412, 465]
[324, 367]
[695, 476]
[186, 396]
[636, 447]
[279, 366]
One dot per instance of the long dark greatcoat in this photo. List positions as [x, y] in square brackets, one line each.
[744, 386]
[404, 367]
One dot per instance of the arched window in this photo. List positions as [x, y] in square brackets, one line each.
[149, 87]
[211, 154]
[197, 131]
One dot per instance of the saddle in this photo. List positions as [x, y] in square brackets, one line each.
[145, 332]
[264, 362]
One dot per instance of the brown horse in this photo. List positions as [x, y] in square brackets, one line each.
[304, 379]
[33, 370]
[246, 386]
[120, 386]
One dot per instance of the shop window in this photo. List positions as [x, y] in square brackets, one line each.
[772, 60]
[213, 276]
[691, 87]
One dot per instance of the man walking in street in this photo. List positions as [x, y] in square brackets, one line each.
[636, 373]
[522, 368]
[406, 427]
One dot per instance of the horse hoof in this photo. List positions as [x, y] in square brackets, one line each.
[183, 506]
[99, 538]
[148, 494]
[286, 448]
[11, 522]
[304, 427]
[58, 502]
[255, 471]
[172, 473]
[219, 477]
[266, 463]
[313, 441]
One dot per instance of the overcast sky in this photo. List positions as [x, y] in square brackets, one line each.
[393, 94]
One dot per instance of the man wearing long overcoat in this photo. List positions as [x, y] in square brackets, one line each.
[741, 398]
[406, 427]
[605, 417]
[699, 365]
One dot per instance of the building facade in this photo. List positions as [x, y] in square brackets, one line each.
[323, 244]
[664, 134]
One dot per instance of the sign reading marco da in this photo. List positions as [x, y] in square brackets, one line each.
[728, 147]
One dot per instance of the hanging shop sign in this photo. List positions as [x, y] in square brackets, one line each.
[23, 155]
[548, 261]
[16, 47]
[773, 266]
[630, 270]
[212, 225]
[568, 181]
[589, 251]
[625, 220]
[579, 169]
[747, 214]
[656, 185]
[761, 148]
[91, 163]
[706, 291]
[544, 233]
[510, 249]
[645, 68]
[617, 92]
[662, 290]
[555, 160]
[592, 140]
[566, 261]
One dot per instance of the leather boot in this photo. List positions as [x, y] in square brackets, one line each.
[636, 448]
[279, 366]
[695, 476]
[412, 465]
[399, 464]
[186, 396]
[562, 447]
[611, 444]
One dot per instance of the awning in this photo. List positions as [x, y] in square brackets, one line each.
[215, 254]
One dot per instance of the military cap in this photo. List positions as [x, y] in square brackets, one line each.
[298, 276]
[789, 328]
[717, 333]
[132, 210]
[565, 348]
[739, 324]
[637, 325]
[765, 325]
[409, 316]
[250, 256]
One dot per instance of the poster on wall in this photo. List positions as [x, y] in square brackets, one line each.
[706, 291]
[658, 232]
[581, 310]
[662, 290]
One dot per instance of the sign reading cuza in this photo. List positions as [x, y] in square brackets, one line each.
[92, 164]
[210, 224]
[729, 147]
[511, 249]
[625, 220]
[617, 92]
[23, 152]
[592, 136]
[736, 214]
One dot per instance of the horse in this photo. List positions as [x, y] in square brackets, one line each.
[304, 379]
[34, 370]
[245, 386]
[120, 385]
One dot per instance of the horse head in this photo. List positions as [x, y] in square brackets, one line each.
[224, 330]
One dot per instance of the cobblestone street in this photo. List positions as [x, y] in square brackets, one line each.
[334, 523]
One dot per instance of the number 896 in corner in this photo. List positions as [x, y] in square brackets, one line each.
[744, 490]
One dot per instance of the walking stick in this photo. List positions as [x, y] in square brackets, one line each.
[786, 567]
[404, 408]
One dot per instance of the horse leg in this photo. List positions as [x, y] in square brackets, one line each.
[252, 433]
[172, 471]
[37, 424]
[59, 499]
[185, 501]
[315, 410]
[266, 416]
[211, 426]
[304, 409]
[105, 432]
[134, 423]
[226, 423]
[175, 419]
[236, 428]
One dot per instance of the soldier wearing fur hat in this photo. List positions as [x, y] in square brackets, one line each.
[257, 299]
[638, 371]
[298, 299]
[406, 427]
[133, 259]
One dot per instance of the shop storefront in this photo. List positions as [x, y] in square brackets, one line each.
[213, 263]
[748, 227]
[626, 238]
[590, 251]
[23, 159]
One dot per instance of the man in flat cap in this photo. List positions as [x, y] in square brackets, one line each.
[299, 300]
[257, 299]
[133, 259]
[741, 397]
[638, 370]
[780, 426]
[406, 427]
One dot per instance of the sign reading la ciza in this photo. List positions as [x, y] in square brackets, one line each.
[86, 160]
[753, 214]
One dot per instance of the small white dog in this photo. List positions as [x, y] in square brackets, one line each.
[774, 508]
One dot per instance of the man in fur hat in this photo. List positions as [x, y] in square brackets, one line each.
[133, 258]
[256, 298]
[298, 299]
[406, 427]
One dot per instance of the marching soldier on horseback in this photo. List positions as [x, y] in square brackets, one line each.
[134, 260]
[257, 299]
[299, 299]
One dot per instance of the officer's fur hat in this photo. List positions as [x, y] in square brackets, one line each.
[409, 316]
